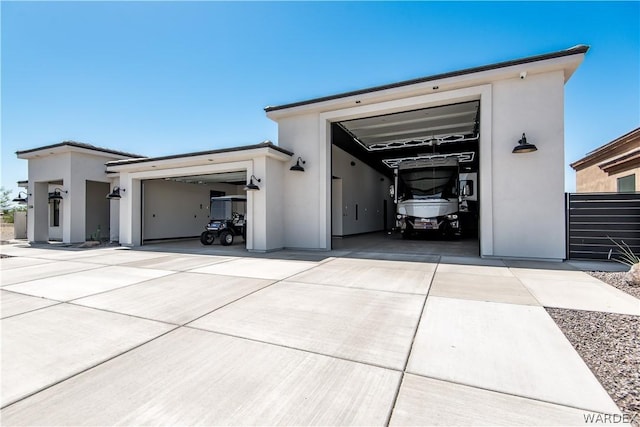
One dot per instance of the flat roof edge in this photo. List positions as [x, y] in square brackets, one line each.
[579, 49]
[266, 144]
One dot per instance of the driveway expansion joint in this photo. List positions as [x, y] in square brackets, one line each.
[35, 309]
[82, 371]
[288, 347]
[415, 333]
[355, 287]
[121, 313]
[505, 393]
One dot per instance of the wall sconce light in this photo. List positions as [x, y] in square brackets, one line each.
[251, 186]
[115, 193]
[298, 167]
[523, 146]
[22, 200]
[56, 195]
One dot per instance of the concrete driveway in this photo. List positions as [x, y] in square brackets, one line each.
[137, 337]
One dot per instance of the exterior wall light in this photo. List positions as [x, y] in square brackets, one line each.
[251, 186]
[298, 167]
[115, 193]
[22, 200]
[523, 146]
[56, 195]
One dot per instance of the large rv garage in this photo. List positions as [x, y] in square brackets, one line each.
[412, 174]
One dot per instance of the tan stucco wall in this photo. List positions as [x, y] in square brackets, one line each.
[594, 180]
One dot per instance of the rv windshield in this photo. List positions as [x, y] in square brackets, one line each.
[428, 183]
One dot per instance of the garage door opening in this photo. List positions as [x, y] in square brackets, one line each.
[410, 178]
[179, 208]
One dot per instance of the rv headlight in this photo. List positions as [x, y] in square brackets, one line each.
[399, 216]
[452, 216]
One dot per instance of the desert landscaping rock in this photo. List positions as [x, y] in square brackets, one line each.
[617, 280]
[633, 276]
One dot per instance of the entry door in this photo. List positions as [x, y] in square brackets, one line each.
[336, 207]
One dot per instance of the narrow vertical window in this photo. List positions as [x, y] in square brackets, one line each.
[55, 213]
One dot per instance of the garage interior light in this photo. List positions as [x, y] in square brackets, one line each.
[523, 146]
[298, 167]
[115, 193]
[251, 186]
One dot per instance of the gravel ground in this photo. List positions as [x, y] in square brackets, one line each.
[609, 343]
[617, 280]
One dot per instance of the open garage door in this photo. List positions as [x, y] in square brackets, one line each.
[179, 207]
[429, 157]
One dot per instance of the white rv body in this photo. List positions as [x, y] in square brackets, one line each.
[429, 208]
[431, 193]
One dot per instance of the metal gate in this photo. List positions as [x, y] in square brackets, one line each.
[593, 219]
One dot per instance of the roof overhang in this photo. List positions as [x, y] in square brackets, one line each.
[619, 146]
[225, 155]
[73, 147]
[566, 61]
[623, 163]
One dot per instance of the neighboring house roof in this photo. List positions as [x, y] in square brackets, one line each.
[617, 155]
[266, 144]
[571, 51]
[76, 145]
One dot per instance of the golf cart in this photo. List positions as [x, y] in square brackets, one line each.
[228, 219]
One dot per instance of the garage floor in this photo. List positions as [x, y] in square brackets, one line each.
[393, 243]
[379, 245]
[131, 337]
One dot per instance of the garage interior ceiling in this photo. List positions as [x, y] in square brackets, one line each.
[428, 126]
[235, 178]
[379, 140]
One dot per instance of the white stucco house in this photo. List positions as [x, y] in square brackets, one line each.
[344, 143]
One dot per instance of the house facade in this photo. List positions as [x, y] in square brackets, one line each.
[611, 168]
[329, 173]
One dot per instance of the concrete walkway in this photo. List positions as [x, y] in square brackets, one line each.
[139, 337]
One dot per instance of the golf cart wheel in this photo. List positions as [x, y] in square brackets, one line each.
[226, 238]
[207, 238]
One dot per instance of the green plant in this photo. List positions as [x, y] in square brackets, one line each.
[95, 237]
[627, 257]
[5, 200]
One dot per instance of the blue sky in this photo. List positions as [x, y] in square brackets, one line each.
[159, 78]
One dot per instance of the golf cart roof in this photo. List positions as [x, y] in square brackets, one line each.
[237, 198]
